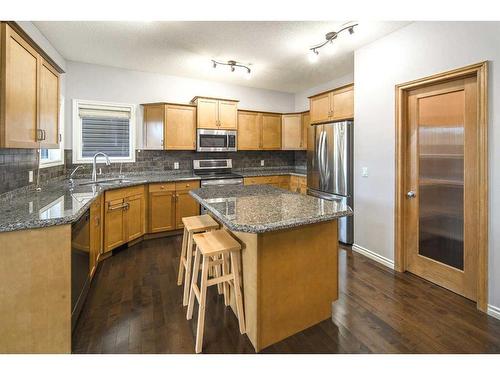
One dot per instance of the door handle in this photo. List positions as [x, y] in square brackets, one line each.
[411, 194]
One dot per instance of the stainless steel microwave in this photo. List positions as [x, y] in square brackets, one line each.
[216, 140]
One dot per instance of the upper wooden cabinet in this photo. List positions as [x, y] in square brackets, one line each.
[169, 127]
[333, 105]
[291, 132]
[259, 131]
[216, 113]
[29, 98]
[306, 123]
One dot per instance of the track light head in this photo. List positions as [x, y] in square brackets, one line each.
[351, 30]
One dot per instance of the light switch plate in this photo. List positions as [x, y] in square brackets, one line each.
[262, 163]
[176, 165]
[364, 171]
[30, 176]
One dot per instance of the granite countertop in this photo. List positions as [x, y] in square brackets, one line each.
[263, 208]
[57, 204]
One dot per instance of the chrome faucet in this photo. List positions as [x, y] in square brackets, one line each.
[71, 182]
[94, 172]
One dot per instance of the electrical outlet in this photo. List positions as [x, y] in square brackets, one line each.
[364, 171]
[30, 176]
[30, 207]
[262, 163]
[176, 165]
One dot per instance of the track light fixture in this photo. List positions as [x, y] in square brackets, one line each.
[330, 37]
[233, 65]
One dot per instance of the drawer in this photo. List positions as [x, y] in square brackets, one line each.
[187, 185]
[170, 186]
[123, 193]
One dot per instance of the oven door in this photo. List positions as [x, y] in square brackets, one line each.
[216, 140]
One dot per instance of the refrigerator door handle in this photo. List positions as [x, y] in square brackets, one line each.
[321, 160]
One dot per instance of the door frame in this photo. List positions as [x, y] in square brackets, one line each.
[480, 71]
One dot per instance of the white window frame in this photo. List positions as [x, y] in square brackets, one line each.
[77, 131]
[60, 161]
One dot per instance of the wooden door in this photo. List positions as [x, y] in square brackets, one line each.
[154, 120]
[134, 217]
[320, 108]
[48, 105]
[180, 128]
[114, 224]
[20, 87]
[249, 130]
[95, 233]
[271, 131]
[441, 183]
[207, 113]
[342, 103]
[291, 132]
[228, 114]
[161, 211]
[306, 122]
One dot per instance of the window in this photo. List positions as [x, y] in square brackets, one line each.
[104, 127]
[54, 157]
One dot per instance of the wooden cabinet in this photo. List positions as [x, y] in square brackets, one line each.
[271, 131]
[213, 113]
[306, 123]
[298, 184]
[276, 181]
[169, 127]
[249, 130]
[291, 132]
[95, 233]
[29, 95]
[124, 216]
[161, 207]
[185, 205]
[333, 105]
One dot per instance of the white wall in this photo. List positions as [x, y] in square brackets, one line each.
[301, 98]
[415, 51]
[95, 82]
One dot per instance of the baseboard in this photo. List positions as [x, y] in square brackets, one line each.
[374, 256]
[494, 311]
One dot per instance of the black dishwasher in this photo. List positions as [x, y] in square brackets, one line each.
[80, 265]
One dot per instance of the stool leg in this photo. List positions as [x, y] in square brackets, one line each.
[189, 262]
[194, 281]
[225, 271]
[237, 289]
[183, 255]
[217, 271]
[202, 305]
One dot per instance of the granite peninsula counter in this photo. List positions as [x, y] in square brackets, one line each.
[289, 255]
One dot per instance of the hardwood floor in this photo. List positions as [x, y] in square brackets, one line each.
[134, 306]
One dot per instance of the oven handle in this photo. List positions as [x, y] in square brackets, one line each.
[232, 182]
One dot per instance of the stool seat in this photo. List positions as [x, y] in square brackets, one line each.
[216, 242]
[200, 223]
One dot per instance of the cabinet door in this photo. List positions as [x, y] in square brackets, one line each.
[21, 92]
[180, 128]
[302, 185]
[134, 220]
[249, 130]
[48, 105]
[294, 184]
[207, 113]
[306, 122]
[114, 225]
[154, 120]
[95, 233]
[228, 114]
[320, 108]
[185, 206]
[291, 132]
[343, 104]
[161, 211]
[271, 131]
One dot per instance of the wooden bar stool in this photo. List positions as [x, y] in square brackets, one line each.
[192, 225]
[210, 246]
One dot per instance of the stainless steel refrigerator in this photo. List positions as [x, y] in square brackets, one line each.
[330, 168]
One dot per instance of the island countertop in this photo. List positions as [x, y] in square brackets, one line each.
[263, 208]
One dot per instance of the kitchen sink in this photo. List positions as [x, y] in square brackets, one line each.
[111, 181]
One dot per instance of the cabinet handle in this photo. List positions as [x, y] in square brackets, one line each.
[120, 207]
[44, 134]
[39, 135]
[97, 221]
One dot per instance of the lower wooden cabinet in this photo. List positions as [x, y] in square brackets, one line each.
[95, 233]
[296, 184]
[124, 216]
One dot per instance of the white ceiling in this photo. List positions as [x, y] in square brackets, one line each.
[277, 51]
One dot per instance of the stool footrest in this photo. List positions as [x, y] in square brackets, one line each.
[196, 291]
[216, 262]
[221, 279]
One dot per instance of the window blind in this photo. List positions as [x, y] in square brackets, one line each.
[106, 130]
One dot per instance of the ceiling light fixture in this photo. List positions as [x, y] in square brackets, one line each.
[330, 37]
[233, 65]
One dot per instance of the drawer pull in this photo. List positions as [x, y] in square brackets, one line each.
[119, 207]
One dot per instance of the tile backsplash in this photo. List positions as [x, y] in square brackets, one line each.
[16, 163]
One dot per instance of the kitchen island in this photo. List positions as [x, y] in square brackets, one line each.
[289, 256]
